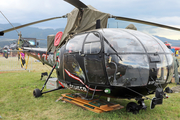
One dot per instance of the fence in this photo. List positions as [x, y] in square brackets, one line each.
[13, 63]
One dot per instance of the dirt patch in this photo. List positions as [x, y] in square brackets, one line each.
[9, 72]
[176, 88]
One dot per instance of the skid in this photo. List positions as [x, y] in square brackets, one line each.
[95, 105]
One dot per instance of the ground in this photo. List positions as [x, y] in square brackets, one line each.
[17, 101]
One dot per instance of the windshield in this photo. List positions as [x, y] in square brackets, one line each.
[122, 42]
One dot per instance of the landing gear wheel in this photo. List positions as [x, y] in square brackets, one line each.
[142, 104]
[153, 103]
[36, 93]
[132, 107]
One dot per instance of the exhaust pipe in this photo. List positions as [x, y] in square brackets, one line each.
[98, 24]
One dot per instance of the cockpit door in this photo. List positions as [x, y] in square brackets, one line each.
[73, 61]
[93, 59]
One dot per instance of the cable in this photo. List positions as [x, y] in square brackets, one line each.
[9, 22]
[137, 92]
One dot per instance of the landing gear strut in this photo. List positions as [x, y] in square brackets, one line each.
[38, 92]
[142, 104]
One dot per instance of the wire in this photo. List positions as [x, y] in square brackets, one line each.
[9, 22]
[16, 31]
[137, 92]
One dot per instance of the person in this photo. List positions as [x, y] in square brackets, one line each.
[176, 65]
[177, 54]
[22, 59]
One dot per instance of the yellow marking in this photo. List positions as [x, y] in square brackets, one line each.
[110, 59]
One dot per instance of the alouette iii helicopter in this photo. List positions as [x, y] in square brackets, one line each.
[113, 62]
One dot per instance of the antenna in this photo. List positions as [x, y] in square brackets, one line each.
[9, 22]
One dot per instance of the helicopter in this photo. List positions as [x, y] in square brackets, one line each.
[113, 62]
[14, 50]
[11, 46]
[6, 49]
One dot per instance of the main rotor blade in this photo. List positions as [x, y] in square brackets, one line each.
[77, 3]
[145, 22]
[25, 25]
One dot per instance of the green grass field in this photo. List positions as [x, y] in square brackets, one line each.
[17, 101]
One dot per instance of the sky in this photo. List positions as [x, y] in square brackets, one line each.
[160, 11]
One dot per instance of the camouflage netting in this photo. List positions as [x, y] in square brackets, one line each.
[78, 21]
[50, 43]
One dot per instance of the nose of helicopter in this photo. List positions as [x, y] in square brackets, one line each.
[138, 70]
[136, 59]
[130, 71]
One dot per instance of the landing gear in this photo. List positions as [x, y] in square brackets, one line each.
[36, 93]
[153, 103]
[158, 99]
[134, 108]
[142, 104]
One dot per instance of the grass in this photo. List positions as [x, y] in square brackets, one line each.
[18, 103]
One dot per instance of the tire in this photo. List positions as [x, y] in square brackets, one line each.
[153, 103]
[132, 107]
[37, 93]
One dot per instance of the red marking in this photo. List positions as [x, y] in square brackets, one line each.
[45, 55]
[39, 56]
[61, 84]
[57, 59]
[33, 54]
[58, 38]
[76, 78]
[168, 44]
[52, 84]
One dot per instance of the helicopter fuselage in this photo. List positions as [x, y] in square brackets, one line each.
[119, 63]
